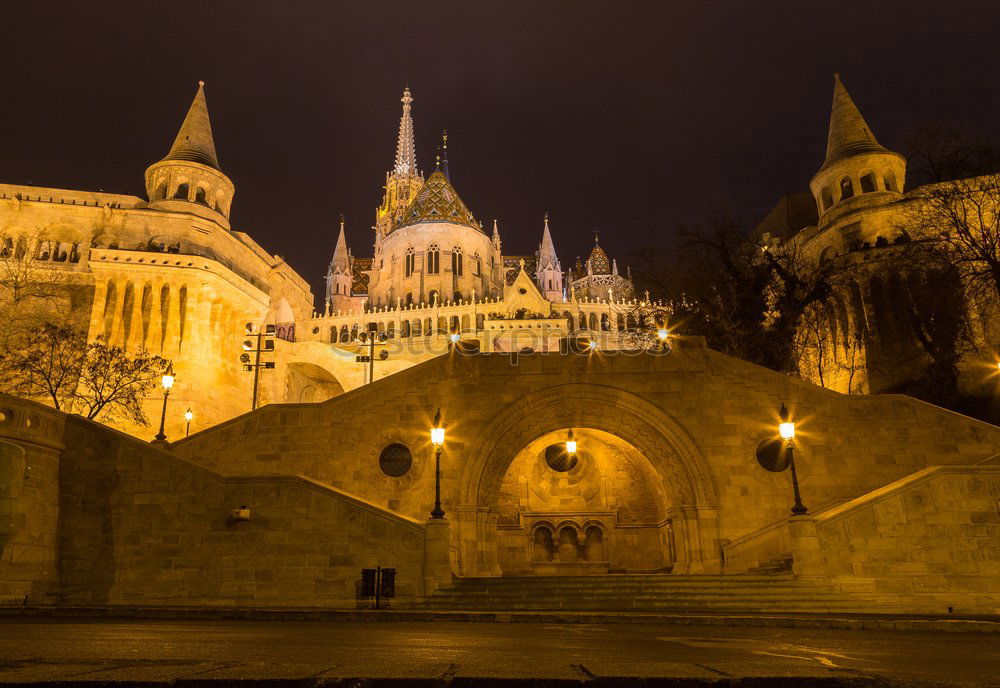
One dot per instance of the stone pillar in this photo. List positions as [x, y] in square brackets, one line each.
[97, 310]
[155, 336]
[807, 558]
[117, 318]
[437, 558]
[135, 333]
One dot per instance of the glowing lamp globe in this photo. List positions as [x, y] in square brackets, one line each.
[593, 345]
[188, 415]
[570, 443]
[454, 338]
[662, 333]
[437, 432]
[786, 428]
[167, 380]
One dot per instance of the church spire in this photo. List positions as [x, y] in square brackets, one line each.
[194, 142]
[849, 132]
[406, 152]
[341, 257]
[547, 250]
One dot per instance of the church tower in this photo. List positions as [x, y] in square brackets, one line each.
[404, 181]
[549, 273]
[340, 276]
[858, 171]
[189, 179]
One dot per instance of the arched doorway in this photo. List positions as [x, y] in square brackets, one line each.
[600, 509]
[689, 529]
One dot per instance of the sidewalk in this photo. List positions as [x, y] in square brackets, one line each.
[897, 622]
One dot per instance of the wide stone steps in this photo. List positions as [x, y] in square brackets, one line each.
[635, 592]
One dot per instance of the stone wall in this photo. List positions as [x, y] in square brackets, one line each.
[930, 542]
[30, 443]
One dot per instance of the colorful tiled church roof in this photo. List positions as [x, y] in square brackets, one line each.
[438, 201]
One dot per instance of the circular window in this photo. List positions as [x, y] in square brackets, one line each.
[558, 459]
[395, 460]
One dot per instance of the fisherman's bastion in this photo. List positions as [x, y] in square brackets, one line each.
[563, 445]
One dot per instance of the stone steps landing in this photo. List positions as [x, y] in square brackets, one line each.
[631, 592]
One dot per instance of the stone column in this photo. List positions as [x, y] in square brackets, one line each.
[437, 559]
[117, 319]
[807, 558]
[155, 336]
[97, 310]
[135, 334]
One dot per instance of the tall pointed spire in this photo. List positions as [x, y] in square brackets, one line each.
[406, 152]
[341, 259]
[547, 250]
[194, 142]
[496, 232]
[849, 133]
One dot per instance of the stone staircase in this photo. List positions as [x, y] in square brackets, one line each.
[662, 593]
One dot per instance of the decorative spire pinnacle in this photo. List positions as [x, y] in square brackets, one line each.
[849, 133]
[496, 232]
[444, 152]
[547, 250]
[341, 256]
[406, 152]
[194, 142]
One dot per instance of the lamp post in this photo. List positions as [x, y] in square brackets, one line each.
[437, 439]
[570, 443]
[167, 381]
[265, 337]
[787, 431]
[188, 415]
[371, 340]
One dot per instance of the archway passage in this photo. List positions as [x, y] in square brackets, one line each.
[307, 382]
[600, 509]
[628, 422]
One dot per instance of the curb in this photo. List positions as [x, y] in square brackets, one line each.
[881, 623]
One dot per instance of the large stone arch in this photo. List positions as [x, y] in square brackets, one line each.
[674, 455]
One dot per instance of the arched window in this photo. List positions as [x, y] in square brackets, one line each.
[827, 198]
[456, 260]
[890, 181]
[182, 192]
[416, 328]
[457, 296]
[44, 251]
[199, 196]
[410, 261]
[583, 321]
[404, 329]
[409, 298]
[390, 329]
[477, 265]
[846, 188]
[570, 321]
[161, 192]
[432, 297]
[433, 259]
[593, 321]
[605, 322]
[868, 183]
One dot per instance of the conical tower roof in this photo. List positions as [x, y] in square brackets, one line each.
[437, 201]
[194, 142]
[849, 133]
[341, 258]
[547, 250]
[406, 151]
[599, 260]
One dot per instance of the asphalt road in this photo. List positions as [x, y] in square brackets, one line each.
[156, 650]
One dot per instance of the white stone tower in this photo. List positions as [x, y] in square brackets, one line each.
[189, 178]
[858, 171]
[549, 272]
[340, 276]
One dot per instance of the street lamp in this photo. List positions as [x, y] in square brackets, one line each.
[263, 345]
[437, 439]
[371, 340]
[662, 334]
[786, 428]
[167, 381]
[570, 443]
[188, 415]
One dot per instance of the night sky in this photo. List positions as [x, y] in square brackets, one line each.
[625, 117]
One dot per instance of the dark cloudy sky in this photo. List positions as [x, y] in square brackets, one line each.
[623, 116]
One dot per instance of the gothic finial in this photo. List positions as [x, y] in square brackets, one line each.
[406, 153]
[444, 152]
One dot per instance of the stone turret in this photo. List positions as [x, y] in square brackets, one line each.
[189, 179]
[549, 272]
[340, 275]
[858, 171]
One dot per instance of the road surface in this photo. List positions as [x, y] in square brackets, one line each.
[204, 650]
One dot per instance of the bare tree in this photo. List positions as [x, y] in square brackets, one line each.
[938, 153]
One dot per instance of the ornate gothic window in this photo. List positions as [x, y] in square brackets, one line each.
[846, 188]
[433, 259]
[477, 265]
[182, 192]
[410, 261]
[456, 260]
